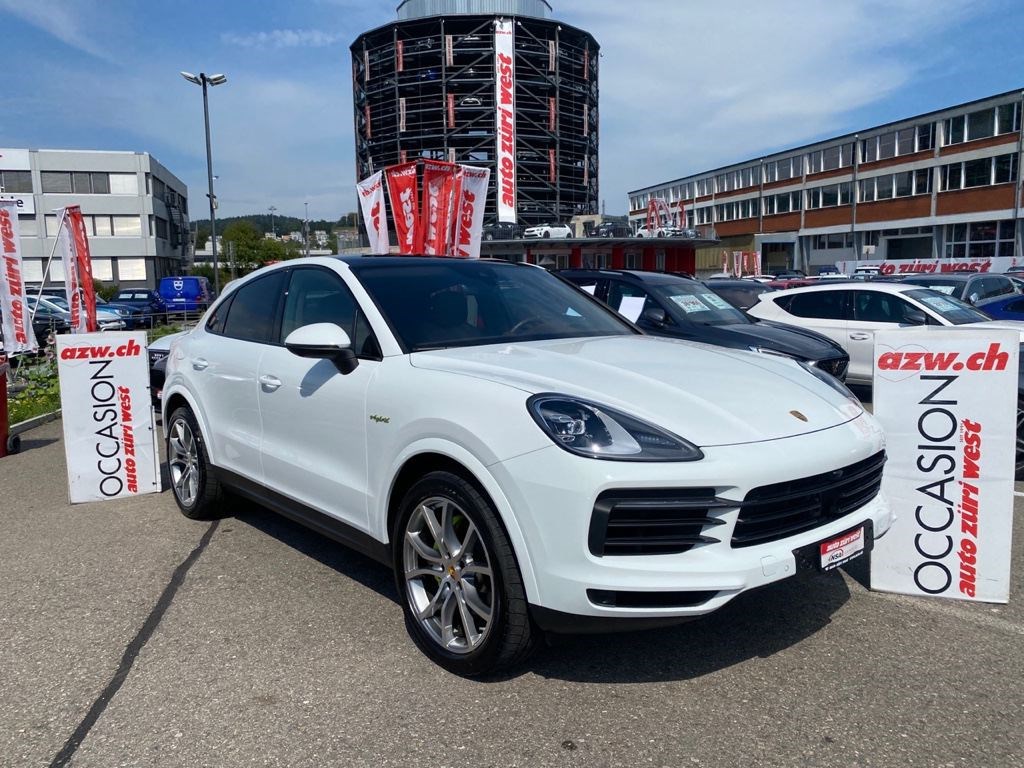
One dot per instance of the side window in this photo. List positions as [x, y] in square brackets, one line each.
[253, 312]
[628, 300]
[588, 284]
[1015, 306]
[877, 307]
[320, 296]
[995, 286]
[824, 305]
[219, 314]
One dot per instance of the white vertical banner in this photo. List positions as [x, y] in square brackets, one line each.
[947, 399]
[69, 263]
[109, 437]
[371, 201]
[505, 103]
[470, 211]
[17, 319]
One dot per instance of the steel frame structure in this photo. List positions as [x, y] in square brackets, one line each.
[424, 88]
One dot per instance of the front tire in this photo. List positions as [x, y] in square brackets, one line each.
[462, 594]
[198, 493]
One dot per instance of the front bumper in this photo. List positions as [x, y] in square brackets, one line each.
[553, 494]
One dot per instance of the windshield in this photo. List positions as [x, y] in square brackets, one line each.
[949, 308]
[462, 303]
[60, 301]
[696, 303]
[940, 285]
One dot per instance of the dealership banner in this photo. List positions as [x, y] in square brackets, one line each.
[405, 207]
[17, 320]
[933, 266]
[947, 399]
[470, 214]
[371, 202]
[505, 104]
[439, 187]
[83, 260]
[109, 438]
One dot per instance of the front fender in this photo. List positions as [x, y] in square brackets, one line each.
[455, 452]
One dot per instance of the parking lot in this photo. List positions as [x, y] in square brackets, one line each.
[132, 636]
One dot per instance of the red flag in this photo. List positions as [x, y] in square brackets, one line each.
[404, 207]
[439, 179]
[84, 262]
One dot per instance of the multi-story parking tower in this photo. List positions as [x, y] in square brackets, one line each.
[436, 84]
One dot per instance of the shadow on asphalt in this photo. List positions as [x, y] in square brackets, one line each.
[30, 444]
[757, 624]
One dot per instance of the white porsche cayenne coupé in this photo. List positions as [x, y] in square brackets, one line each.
[524, 458]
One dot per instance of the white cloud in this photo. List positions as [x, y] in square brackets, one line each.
[283, 38]
[62, 20]
[687, 87]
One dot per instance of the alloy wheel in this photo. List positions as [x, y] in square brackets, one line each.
[449, 581]
[183, 462]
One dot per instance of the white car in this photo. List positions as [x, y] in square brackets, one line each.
[665, 231]
[549, 230]
[850, 313]
[106, 320]
[522, 457]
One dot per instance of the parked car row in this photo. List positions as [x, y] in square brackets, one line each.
[521, 455]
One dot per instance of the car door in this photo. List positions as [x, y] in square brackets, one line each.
[225, 364]
[824, 311]
[314, 417]
[873, 311]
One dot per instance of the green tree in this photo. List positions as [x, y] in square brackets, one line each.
[240, 243]
[269, 251]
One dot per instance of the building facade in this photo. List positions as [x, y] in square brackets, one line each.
[135, 210]
[427, 87]
[945, 185]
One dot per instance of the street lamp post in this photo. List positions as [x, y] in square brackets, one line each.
[202, 79]
[273, 230]
[307, 229]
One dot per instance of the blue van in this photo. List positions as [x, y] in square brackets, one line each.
[186, 293]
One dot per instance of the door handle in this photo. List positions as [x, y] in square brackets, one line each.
[199, 364]
[269, 383]
[860, 336]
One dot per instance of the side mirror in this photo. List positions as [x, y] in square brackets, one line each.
[973, 298]
[323, 341]
[654, 316]
[915, 317]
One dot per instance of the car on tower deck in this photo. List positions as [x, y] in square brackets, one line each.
[548, 231]
[522, 457]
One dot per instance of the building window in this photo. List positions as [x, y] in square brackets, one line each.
[159, 187]
[979, 240]
[131, 269]
[905, 141]
[28, 225]
[126, 226]
[16, 182]
[828, 196]
[124, 184]
[102, 270]
[983, 123]
[160, 227]
[979, 173]
[75, 182]
[833, 242]
[839, 156]
[102, 226]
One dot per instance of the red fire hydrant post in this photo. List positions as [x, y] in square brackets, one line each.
[4, 426]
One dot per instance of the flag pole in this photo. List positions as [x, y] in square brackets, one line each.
[46, 269]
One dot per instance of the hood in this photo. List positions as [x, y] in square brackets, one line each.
[774, 336]
[1008, 325]
[707, 395]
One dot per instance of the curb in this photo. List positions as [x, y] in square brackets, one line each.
[16, 430]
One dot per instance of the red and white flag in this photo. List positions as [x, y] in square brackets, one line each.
[505, 104]
[405, 207]
[73, 245]
[17, 325]
[737, 263]
[439, 181]
[371, 201]
[470, 214]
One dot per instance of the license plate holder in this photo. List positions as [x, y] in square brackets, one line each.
[825, 555]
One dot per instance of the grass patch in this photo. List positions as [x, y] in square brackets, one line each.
[34, 391]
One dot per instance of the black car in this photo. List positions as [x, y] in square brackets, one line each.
[612, 229]
[668, 305]
[971, 287]
[503, 231]
[742, 294]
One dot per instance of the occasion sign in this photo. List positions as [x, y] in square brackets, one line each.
[947, 399]
[109, 438]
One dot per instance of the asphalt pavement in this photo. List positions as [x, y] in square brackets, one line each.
[131, 636]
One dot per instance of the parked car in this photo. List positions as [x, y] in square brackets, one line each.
[158, 351]
[663, 231]
[971, 287]
[57, 306]
[186, 293]
[790, 274]
[45, 322]
[666, 305]
[851, 313]
[612, 229]
[506, 442]
[130, 317]
[742, 293]
[1007, 307]
[502, 231]
[150, 302]
[549, 230]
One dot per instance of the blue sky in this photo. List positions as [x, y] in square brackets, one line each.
[685, 86]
